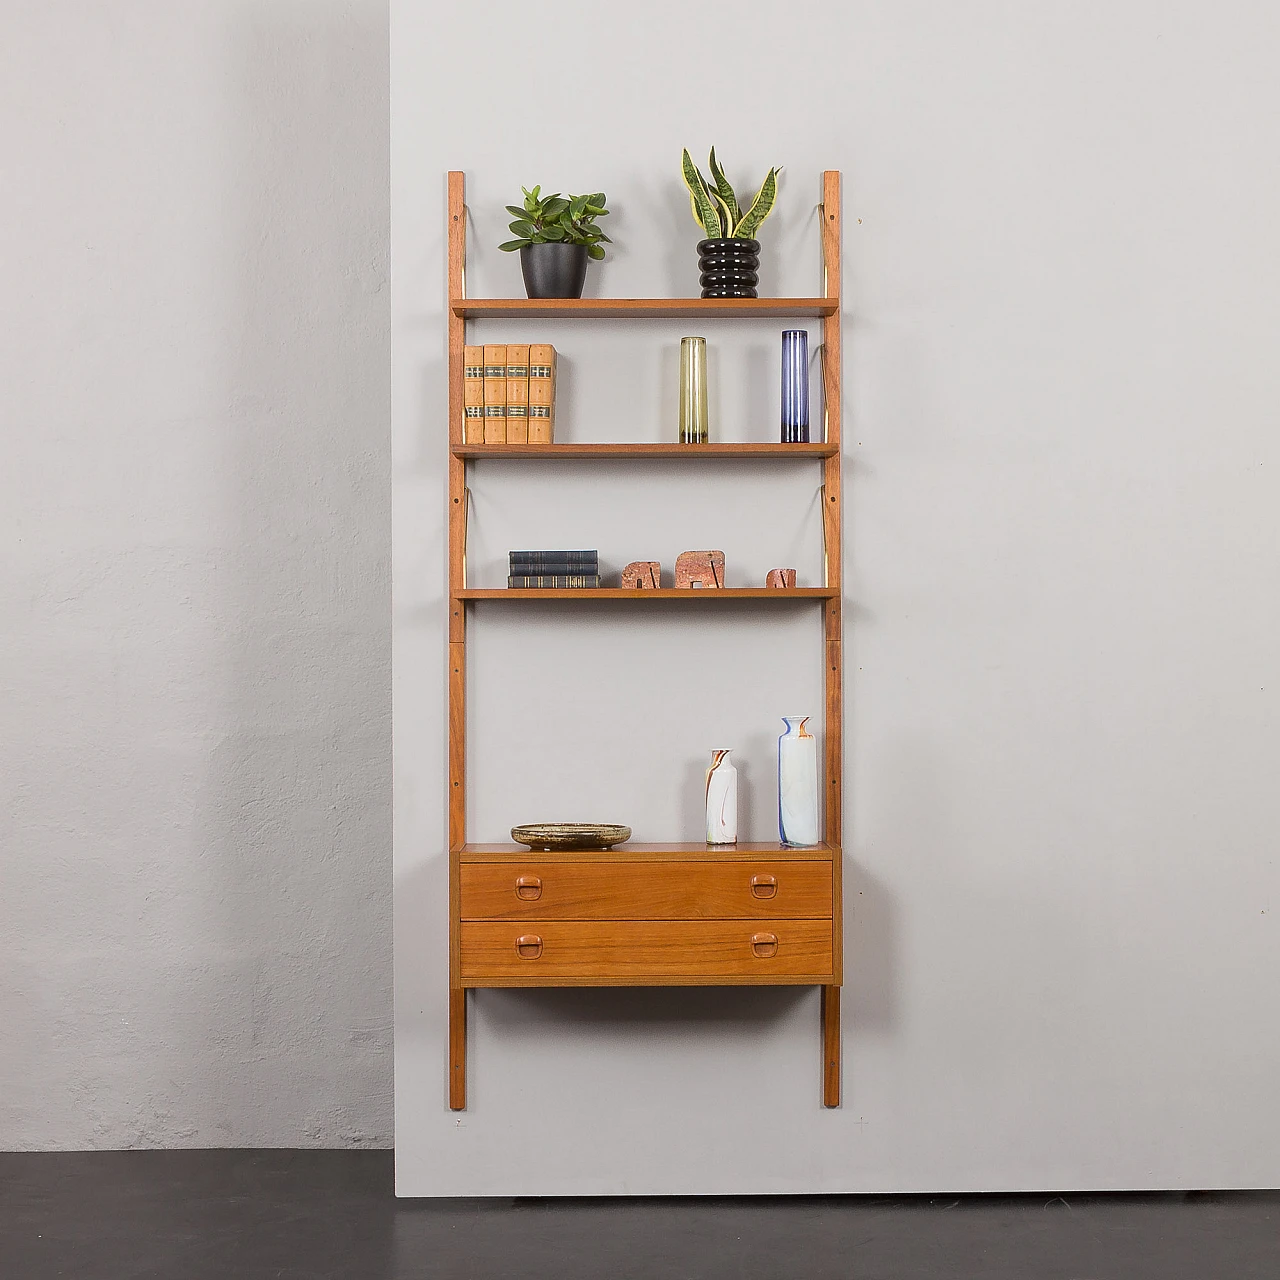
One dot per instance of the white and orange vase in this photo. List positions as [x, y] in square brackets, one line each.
[722, 800]
[797, 783]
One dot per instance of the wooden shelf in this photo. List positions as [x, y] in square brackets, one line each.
[646, 851]
[689, 936]
[776, 595]
[685, 452]
[694, 308]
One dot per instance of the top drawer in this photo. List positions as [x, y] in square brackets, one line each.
[613, 889]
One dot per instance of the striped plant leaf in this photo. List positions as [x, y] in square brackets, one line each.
[727, 220]
[760, 208]
[704, 207]
[725, 190]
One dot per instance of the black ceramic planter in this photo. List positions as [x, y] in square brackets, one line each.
[554, 270]
[728, 267]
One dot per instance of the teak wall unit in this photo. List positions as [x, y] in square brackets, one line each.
[647, 914]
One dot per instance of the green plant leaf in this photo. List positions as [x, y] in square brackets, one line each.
[704, 209]
[522, 227]
[727, 221]
[577, 205]
[595, 251]
[516, 211]
[598, 198]
[554, 207]
[512, 245]
[725, 191]
[553, 233]
[761, 207]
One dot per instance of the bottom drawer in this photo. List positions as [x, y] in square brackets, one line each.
[641, 952]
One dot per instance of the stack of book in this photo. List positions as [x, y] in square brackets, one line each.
[509, 394]
[553, 570]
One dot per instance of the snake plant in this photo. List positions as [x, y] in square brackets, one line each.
[715, 207]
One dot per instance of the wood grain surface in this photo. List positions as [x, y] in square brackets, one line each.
[646, 890]
[645, 952]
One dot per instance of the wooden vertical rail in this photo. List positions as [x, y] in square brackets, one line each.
[457, 649]
[833, 735]
[831, 1046]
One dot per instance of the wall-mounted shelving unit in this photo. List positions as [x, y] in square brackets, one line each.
[684, 914]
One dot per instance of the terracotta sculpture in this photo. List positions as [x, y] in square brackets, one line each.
[643, 575]
[703, 569]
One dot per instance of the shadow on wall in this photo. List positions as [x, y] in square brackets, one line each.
[296, 821]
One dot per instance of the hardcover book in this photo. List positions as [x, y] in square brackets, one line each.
[552, 581]
[542, 393]
[536, 559]
[473, 395]
[517, 394]
[495, 395]
[551, 569]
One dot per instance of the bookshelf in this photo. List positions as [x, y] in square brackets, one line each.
[772, 595]
[645, 914]
[684, 452]
[641, 308]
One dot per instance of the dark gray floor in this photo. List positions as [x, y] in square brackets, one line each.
[321, 1215]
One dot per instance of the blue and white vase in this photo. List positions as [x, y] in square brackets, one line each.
[722, 800]
[797, 783]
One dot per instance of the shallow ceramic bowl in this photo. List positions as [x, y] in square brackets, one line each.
[570, 835]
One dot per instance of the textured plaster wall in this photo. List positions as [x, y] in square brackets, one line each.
[194, 604]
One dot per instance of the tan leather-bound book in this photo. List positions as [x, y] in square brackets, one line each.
[517, 394]
[473, 395]
[495, 395]
[542, 393]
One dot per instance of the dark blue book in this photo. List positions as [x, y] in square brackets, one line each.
[536, 561]
[553, 570]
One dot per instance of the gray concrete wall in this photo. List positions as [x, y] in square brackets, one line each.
[1062, 484]
[194, 602]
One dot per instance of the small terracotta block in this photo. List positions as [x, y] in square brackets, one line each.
[642, 575]
[703, 569]
[781, 578]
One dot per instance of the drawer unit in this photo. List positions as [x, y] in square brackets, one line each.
[645, 952]
[612, 889]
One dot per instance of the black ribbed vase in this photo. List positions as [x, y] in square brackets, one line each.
[729, 268]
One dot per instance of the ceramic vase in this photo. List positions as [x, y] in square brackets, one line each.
[722, 800]
[797, 783]
[729, 268]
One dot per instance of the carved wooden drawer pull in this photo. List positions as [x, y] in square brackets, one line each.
[528, 888]
[528, 946]
[764, 886]
[764, 945]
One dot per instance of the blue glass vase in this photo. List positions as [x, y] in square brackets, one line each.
[795, 386]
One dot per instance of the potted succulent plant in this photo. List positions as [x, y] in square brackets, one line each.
[556, 235]
[729, 258]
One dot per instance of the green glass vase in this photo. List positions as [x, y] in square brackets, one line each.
[693, 391]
